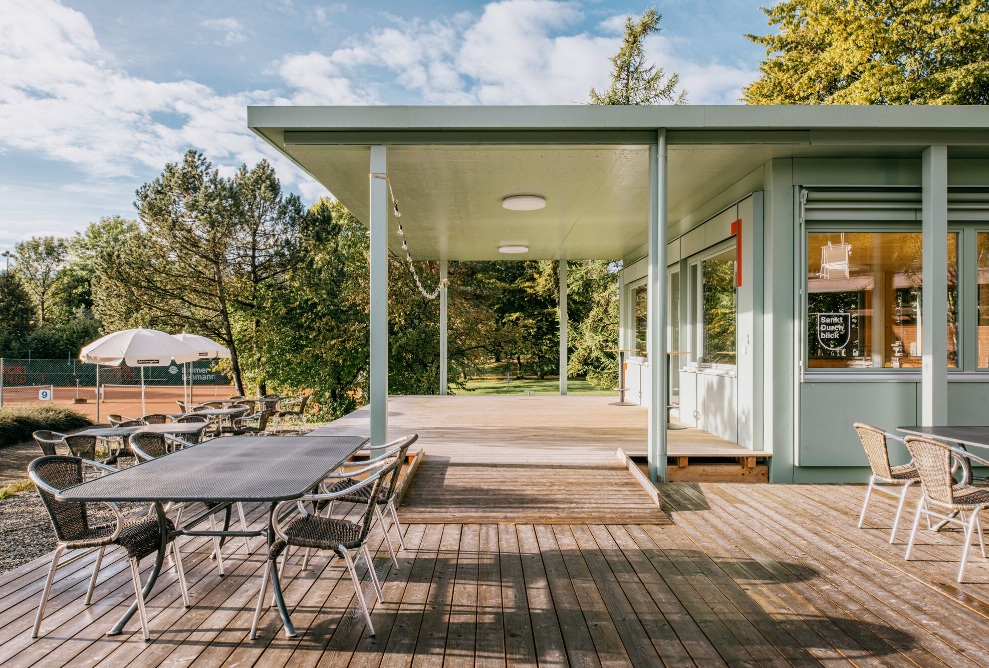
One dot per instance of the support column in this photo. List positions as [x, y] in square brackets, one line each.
[656, 335]
[564, 320]
[934, 305]
[443, 329]
[379, 296]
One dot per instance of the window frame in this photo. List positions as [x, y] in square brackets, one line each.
[695, 302]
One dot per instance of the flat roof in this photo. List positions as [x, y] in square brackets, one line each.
[451, 166]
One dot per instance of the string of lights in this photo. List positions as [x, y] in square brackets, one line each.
[405, 246]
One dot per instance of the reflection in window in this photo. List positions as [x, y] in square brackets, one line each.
[718, 300]
[863, 300]
[983, 280]
[641, 299]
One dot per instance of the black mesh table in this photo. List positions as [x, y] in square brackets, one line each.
[976, 436]
[224, 470]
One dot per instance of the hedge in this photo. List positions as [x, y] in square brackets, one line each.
[17, 423]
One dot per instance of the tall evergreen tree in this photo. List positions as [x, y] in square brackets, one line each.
[633, 81]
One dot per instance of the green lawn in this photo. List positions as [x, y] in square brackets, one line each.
[489, 385]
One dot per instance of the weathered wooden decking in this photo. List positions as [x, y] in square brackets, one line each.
[743, 575]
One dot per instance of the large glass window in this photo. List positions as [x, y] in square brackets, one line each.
[640, 296]
[983, 283]
[718, 304]
[863, 299]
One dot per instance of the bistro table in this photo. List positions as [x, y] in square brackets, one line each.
[267, 469]
[170, 428]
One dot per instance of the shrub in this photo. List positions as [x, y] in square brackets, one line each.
[17, 423]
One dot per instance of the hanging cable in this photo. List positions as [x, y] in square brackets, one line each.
[405, 246]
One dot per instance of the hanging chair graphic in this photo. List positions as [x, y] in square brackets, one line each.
[834, 259]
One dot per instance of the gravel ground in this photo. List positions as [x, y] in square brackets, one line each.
[25, 531]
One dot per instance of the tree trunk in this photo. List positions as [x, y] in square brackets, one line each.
[228, 330]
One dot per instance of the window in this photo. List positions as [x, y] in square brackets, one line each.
[640, 296]
[983, 283]
[863, 299]
[718, 305]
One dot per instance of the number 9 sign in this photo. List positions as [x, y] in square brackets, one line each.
[44, 395]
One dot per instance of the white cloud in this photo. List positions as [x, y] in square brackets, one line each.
[231, 28]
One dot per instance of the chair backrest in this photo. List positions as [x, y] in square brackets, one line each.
[387, 467]
[69, 518]
[874, 441]
[183, 406]
[263, 419]
[116, 420]
[192, 418]
[81, 445]
[213, 404]
[148, 446]
[155, 418]
[48, 440]
[391, 483]
[132, 423]
[933, 461]
[238, 396]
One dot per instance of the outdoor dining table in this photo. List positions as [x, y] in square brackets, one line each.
[170, 428]
[267, 469]
[975, 436]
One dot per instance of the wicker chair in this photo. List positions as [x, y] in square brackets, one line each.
[386, 500]
[133, 423]
[294, 407]
[310, 530]
[899, 478]
[186, 419]
[81, 445]
[944, 499]
[249, 424]
[155, 418]
[117, 420]
[74, 529]
[48, 441]
[150, 446]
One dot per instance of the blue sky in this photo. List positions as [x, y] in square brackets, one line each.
[97, 96]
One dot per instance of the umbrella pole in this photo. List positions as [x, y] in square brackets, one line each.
[143, 410]
[192, 380]
[97, 394]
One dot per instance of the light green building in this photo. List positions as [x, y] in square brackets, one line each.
[815, 265]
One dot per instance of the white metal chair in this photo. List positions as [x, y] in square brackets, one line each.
[893, 480]
[943, 499]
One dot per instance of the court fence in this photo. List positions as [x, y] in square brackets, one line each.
[99, 390]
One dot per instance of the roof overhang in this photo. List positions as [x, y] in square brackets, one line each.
[450, 167]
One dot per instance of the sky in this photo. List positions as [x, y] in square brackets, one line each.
[97, 96]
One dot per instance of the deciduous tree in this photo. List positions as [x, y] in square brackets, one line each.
[874, 52]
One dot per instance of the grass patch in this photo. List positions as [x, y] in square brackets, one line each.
[15, 488]
[17, 423]
[498, 386]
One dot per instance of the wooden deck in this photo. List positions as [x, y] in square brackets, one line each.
[742, 575]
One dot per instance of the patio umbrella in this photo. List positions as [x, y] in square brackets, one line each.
[136, 347]
[207, 349]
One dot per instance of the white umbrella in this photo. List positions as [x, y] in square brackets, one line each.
[137, 347]
[207, 349]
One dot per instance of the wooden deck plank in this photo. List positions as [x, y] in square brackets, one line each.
[489, 644]
[520, 648]
[461, 634]
[431, 642]
[545, 626]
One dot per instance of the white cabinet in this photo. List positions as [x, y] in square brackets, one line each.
[709, 401]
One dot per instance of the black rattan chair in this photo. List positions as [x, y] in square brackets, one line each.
[294, 407]
[342, 537]
[386, 500]
[155, 418]
[76, 529]
[49, 441]
[117, 420]
[81, 445]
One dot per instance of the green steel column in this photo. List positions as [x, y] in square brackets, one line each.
[443, 329]
[657, 308]
[934, 307]
[379, 296]
[563, 326]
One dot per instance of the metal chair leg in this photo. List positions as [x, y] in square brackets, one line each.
[180, 571]
[357, 590]
[216, 545]
[142, 613]
[243, 526]
[899, 511]
[913, 531]
[397, 524]
[868, 495]
[264, 585]
[305, 558]
[48, 589]
[384, 531]
[96, 572]
[978, 526]
[374, 573]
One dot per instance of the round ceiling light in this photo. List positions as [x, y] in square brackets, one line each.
[513, 248]
[524, 202]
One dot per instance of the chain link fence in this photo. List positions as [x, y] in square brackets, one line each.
[98, 392]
